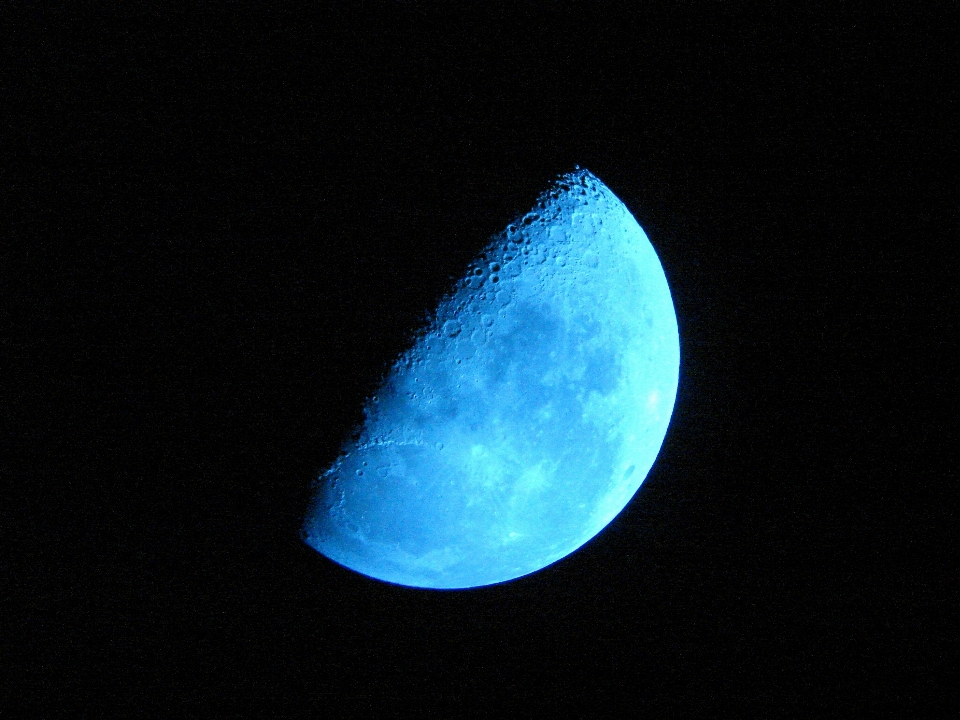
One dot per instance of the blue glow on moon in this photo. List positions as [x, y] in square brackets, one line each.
[524, 417]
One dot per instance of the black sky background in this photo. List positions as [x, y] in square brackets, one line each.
[225, 224]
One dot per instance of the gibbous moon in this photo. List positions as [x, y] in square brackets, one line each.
[525, 415]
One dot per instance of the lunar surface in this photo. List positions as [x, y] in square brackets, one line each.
[524, 417]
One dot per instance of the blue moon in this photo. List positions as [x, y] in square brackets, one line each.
[526, 413]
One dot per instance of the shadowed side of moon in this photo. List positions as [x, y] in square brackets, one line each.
[527, 414]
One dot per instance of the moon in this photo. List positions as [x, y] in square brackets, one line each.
[525, 415]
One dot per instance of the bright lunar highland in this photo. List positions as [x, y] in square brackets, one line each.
[524, 417]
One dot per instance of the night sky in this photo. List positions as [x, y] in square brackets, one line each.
[224, 225]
